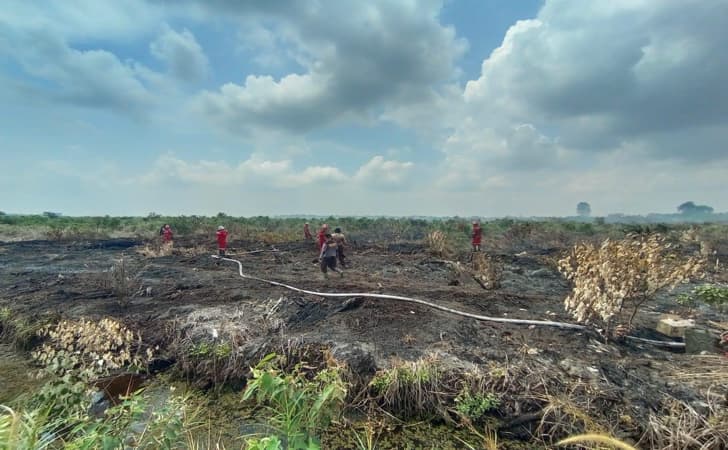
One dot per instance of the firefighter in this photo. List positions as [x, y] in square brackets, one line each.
[477, 236]
[167, 234]
[307, 232]
[340, 240]
[321, 236]
[221, 242]
[327, 257]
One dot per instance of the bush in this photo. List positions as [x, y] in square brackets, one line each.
[90, 348]
[297, 407]
[618, 274]
[475, 407]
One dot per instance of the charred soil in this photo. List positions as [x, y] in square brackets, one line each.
[183, 300]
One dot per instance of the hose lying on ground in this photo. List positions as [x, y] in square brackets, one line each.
[547, 323]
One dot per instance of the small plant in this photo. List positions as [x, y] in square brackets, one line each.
[411, 389]
[439, 244]
[475, 407]
[122, 281]
[266, 443]
[487, 271]
[618, 274]
[298, 408]
[90, 347]
[709, 294]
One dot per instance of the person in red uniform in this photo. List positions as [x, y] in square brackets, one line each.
[167, 234]
[477, 236]
[307, 232]
[322, 235]
[221, 242]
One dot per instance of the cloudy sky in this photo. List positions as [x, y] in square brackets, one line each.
[399, 107]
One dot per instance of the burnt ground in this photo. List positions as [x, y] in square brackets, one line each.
[70, 279]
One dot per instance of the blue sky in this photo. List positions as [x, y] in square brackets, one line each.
[453, 107]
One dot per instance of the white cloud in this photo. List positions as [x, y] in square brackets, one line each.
[254, 172]
[95, 78]
[604, 74]
[182, 54]
[259, 173]
[380, 173]
[641, 80]
[358, 58]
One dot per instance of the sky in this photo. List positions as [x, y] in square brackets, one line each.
[345, 107]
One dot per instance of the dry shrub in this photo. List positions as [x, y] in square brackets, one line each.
[564, 416]
[90, 347]
[618, 274]
[487, 270]
[275, 237]
[156, 249]
[195, 250]
[123, 282]
[439, 244]
[679, 426]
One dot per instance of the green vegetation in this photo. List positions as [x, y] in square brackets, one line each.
[475, 407]
[58, 417]
[297, 408]
[709, 294]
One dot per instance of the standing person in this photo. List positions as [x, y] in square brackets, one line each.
[167, 234]
[328, 256]
[322, 235]
[221, 242]
[477, 236]
[340, 240]
[307, 232]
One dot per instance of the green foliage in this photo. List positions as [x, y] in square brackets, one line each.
[205, 349]
[709, 294]
[266, 443]
[57, 417]
[475, 407]
[299, 408]
[412, 389]
[21, 430]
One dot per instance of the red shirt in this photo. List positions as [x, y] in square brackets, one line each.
[477, 235]
[167, 234]
[222, 239]
[321, 239]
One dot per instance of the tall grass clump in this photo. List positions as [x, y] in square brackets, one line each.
[297, 407]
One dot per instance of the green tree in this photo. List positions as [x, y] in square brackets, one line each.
[690, 208]
[583, 209]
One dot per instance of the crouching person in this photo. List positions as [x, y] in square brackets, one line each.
[328, 256]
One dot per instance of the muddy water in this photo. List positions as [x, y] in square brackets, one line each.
[17, 375]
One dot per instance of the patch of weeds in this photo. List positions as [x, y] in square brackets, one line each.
[211, 350]
[413, 389]
[475, 406]
[710, 294]
[297, 407]
[20, 331]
